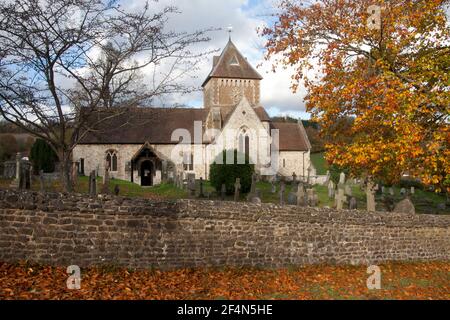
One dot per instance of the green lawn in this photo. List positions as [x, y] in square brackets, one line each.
[319, 162]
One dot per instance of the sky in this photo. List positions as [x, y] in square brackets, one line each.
[245, 16]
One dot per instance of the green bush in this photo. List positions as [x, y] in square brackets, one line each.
[407, 183]
[227, 173]
[43, 156]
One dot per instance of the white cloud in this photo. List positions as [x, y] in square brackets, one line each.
[245, 16]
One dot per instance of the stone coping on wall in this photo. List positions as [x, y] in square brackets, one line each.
[206, 209]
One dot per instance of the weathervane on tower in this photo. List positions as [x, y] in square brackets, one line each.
[229, 30]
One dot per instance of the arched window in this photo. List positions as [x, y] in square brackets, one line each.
[111, 160]
[244, 143]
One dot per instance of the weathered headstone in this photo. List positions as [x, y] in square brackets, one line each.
[223, 192]
[256, 199]
[301, 196]
[294, 178]
[191, 184]
[403, 192]
[371, 189]
[405, 206]
[383, 189]
[353, 204]
[328, 179]
[105, 186]
[273, 189]
[16, 182]
[281, 193]
[237, 189]
[252, 188]
[391, 191]
[201, 194]
[92, 184]
[292, 198]
[331, 190]
[342, 178]
[413, 190]
[312, 198]
[340, 198]
[41, 181]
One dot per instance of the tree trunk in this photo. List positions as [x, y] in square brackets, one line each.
[66, 166]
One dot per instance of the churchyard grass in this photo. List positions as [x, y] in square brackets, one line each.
[424, 201]
[319, 162]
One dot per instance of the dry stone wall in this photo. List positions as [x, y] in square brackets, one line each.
[63, 229]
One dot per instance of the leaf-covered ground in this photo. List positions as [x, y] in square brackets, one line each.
[398, 281]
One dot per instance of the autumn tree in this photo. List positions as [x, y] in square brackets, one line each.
[386, 64]
[63, 60]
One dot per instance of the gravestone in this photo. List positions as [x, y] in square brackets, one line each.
[92, 184]
[273, 189]
[191, 184]
[340, 198]
[301, 196]
[201, 194]
[292, 198]
[413, 190]
[16, 182]
[371, 189]
[312, 198]
[105, 186]
[116, 190]
[383, 189]
[353, 204]
[403, 192]
[41, 181]
[331, 190]
[328, 179]
[405, 206]
[256, 199]
[281, 193]
[294, 178]
[342, 178]
[223, 192]
[25, 175]
[308, 180]
[391, 191]
[252, 188]
[237, 189]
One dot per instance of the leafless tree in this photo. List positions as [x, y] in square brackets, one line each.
[63, 60]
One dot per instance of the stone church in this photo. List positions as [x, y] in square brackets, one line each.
[150, 145]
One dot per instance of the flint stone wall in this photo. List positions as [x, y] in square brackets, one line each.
[61, 229]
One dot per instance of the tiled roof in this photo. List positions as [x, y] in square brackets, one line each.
[232, 64]
[292, 136]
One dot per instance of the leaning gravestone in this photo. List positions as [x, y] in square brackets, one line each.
[405, 206]
[92, 184]
[237, 189]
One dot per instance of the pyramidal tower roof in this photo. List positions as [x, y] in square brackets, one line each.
[232, 64]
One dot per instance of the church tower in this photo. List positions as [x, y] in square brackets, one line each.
[231, 77]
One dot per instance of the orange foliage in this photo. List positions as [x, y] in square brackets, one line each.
[398, 281]
[394, 81]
